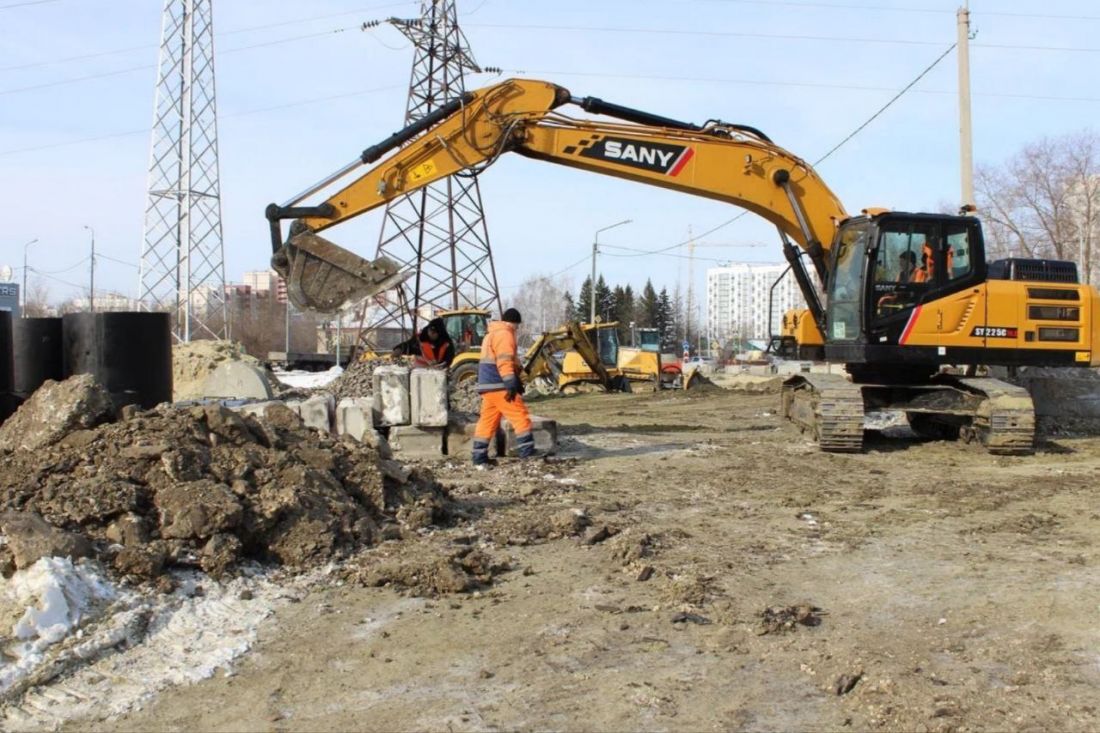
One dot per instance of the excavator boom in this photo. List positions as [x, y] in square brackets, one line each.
[727, 162]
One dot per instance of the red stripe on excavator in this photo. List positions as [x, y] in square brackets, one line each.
[909, 326]
[684, 158]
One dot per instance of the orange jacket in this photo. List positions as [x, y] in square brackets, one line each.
[499, 367]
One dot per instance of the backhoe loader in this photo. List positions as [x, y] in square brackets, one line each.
[894, 330]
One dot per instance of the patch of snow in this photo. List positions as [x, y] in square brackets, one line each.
[147, 642]
[300, 379]
[46, 603]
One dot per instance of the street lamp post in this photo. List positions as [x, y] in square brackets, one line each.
[25, 246]
[595, 251]
[91, 275]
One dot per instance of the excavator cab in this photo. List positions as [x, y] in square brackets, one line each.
[885, 267]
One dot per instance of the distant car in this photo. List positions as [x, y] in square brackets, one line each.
[700, 360]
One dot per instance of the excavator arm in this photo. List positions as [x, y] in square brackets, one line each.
[717, 160]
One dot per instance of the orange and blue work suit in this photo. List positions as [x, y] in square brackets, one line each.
[497, 377]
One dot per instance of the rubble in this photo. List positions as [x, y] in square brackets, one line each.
[202, 487]
[55, 410]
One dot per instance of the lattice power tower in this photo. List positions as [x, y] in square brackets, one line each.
[438, 231]
[182, 257]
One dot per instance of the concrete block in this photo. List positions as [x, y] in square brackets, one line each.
[787, 368]
[413, 442]
[316, 412]
[428, 397]
[391, 396]
[353, 418]
[235, 379]
[460, 438]
[544, 429]
[255, 409]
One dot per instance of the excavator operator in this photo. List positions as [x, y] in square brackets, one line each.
[431, 347]
[498, 383]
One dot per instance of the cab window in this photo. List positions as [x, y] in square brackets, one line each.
[904, 267]
[957, 252]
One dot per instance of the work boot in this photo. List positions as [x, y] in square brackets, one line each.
[525, 445]
[481, 452]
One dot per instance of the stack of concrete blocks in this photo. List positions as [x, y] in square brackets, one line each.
[414, 406]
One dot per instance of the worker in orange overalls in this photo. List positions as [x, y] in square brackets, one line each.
[498, 382]
[432, 347]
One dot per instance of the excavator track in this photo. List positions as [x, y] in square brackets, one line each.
[1005, 420]
[829, 407]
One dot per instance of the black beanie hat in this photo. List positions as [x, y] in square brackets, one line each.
[512, 316]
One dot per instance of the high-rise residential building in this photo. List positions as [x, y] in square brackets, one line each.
[738, 298]
[262, 281]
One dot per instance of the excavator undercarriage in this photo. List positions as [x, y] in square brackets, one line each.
[989, 412]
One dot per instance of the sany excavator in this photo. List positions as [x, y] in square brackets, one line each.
[901, 295]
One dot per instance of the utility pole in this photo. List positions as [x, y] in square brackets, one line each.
[966, 144]
[91, 276]
[596, 251]
[690, 315]
[28, 244]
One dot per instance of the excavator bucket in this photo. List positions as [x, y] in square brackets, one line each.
[322, 276]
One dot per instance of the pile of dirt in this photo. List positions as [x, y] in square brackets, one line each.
[197, 487]
[193, 362]
[356, 381]
[465, 398]
[781, 619]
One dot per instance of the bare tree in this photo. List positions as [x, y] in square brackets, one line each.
[1045, 201]
[37, 300]
[539, 298]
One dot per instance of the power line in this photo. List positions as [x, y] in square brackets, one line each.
[58, 272]
[772, 83]
[145, 67]
[886, 8]
[115, 259]
[887, 106]
[245, 113]
[769, 36]
[26, 3]
[234, 31]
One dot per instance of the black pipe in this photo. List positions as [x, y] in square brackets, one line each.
[600, 107]
[38, 353]
[802, 277]
[402, 136]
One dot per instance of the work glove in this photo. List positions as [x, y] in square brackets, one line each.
[514, 386]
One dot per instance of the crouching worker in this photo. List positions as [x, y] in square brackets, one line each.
[432, 347]
[501, 390]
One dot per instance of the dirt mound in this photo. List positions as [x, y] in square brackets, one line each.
[193, 362]
[206, 487]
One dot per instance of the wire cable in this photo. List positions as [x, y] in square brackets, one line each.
[886, 106]
[26, 3]
[767, 36]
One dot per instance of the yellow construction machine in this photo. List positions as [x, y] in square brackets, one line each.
[893, 328]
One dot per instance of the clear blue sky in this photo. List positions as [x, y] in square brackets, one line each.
[808, 72]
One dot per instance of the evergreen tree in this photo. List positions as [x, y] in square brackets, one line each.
[645, 315]
[665, 322]
[584, 302]
[605, 301]
[624, 311]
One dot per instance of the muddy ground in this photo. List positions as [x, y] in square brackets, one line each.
[913, 587]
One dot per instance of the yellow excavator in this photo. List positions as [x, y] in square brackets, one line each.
[899, 295]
